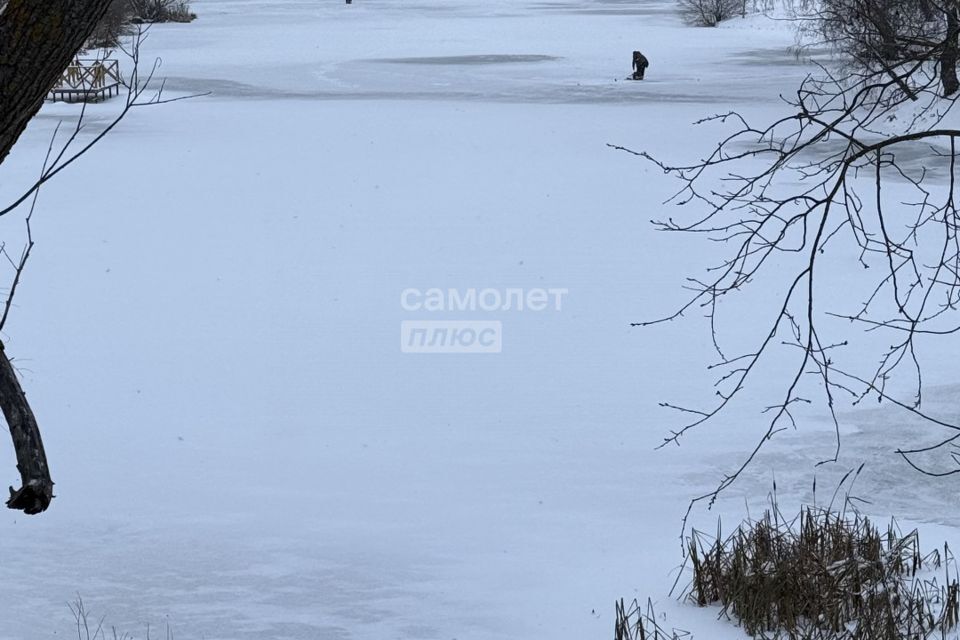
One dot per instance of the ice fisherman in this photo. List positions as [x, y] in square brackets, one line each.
[640, 64]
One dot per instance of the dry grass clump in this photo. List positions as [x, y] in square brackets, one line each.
[89, 627]
[636, 623]
[822, 575]
[825, 576]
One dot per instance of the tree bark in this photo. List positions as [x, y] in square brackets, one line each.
[38, 40]
[37, 490]
[951, 52]
[889, 48]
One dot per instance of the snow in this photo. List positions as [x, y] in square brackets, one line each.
[210, 342]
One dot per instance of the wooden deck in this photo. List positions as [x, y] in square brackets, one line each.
[88, 81]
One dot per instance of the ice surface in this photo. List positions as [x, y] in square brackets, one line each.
[210, 341]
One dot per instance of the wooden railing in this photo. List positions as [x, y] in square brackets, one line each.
[88, 81]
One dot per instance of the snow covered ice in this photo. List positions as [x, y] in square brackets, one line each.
[211, 344]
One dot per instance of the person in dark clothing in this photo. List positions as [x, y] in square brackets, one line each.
[640, 64]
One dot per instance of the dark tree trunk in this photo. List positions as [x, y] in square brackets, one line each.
[948, 59]
[38, 39]
[37, 490]
[879, 15]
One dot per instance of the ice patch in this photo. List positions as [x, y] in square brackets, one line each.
[469, 60]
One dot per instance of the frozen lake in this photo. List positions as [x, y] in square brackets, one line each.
[240, 447]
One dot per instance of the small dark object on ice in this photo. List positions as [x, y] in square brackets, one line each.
[640, 64]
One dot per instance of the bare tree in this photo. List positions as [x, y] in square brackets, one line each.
[877, 35]
[38, 40]
[709, 13]
[151, 11]
[115, 24]
[122, 15]
[827, 187]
